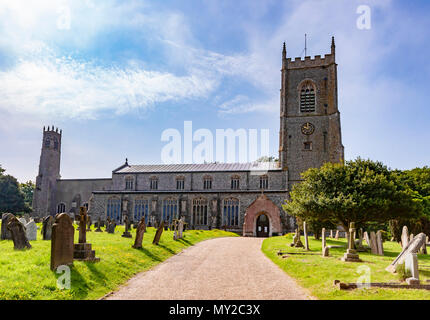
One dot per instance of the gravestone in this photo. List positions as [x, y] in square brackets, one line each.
[411, 237]
[379, 243]
[5, 233]
[351, 254]
[82, 250]
[158, 233]
[175, 230]
[141, 228]
[47, 223]
[126, 233]
[181, 228]
[366, 237]
[99, 223]
[62, 248]
[305, 232]
[373, 245]
[331, 233]
[424, 247]
[17, 231]
[411, 265]
[413, 247]
[360, 247]
[31, 230]
[110, 228]
[337, 235]
[23, 221]
[297, 243]
[89, 222]
[27, 217]
[325, 249]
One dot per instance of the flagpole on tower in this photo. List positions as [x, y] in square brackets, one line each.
[305, 45]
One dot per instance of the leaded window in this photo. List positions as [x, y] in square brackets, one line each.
[264, 182]
[61, 208]
[170, 210]
[200, 212]
[154, 183]
[129, 183]
[113, 209]
[180, 183]
[207, 183]
[231, 212]
[307, 98]
[235, 182]
[141, 210]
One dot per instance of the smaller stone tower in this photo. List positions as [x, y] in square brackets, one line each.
[49, 173]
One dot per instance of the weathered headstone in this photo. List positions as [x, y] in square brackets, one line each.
[19, 237]
[373, 243]
[366, 237]
[62, 248]
[99, 223]
[379, 243]
[405, 237]
[424, 248]
[31, 230]
[413, 247]
[158, 233]
[297, 243]
[23, 221]
[411, 237]
[126, 233]
[110, 228]
[141, 228]
[5, 233]
[27, 217]
[331, 233]
[351, 254]
[181, 228]
[47, 223]
[89, 222]
[411, 265]
[82, 250]
[325, 249]
[175, 229]
[305, 232]
[337, 235]
[359, 245]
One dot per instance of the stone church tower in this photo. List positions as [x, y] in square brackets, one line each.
[310, 133]
[49, 173]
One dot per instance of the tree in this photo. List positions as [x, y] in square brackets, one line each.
[358, 191]
[267, 159]
[28, 189]
[1, 170]
[11, 197]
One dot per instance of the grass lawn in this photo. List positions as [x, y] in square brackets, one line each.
[317, 273]
[27, 275]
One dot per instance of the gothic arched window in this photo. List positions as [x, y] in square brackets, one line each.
[170, 210]
[113, 209]
[307, 97]
[200, 211]
[230, 214]
[141, 210]
[235, 182]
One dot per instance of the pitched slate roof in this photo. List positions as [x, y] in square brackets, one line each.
[198, 167]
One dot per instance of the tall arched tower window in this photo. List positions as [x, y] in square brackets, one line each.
[170, 210]
[307, 96]
[141, 210]
[231, 212]
[113, 209]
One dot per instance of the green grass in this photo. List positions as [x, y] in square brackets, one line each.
[26, 274]
[318, 273]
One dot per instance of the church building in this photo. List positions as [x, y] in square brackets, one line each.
[241, 197]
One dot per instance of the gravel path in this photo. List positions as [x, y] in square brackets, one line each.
[217, 269]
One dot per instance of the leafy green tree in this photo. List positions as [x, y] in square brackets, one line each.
[267, 159]
[11, 197]
[358, 191]
[28, 189]
[1, 170]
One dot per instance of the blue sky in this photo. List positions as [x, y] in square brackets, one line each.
[113, 75]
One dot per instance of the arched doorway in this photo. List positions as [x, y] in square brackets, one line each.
[262, 226]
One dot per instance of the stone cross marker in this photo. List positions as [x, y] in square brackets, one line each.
[405, 237]
[126, 233]
[305, 231]
[17, 231]
[47, 223]
[31, 230]
[5, 233]
[141, 228]
[158, 233]
[62, 241]
[413, 247]
[351, 254]
[379, 243]
[82, 225]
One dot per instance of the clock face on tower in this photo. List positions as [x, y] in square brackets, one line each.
[308, 128]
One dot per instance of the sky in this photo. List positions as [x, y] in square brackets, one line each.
[115, 74]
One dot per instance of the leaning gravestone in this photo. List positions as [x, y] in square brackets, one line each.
[47, 223]
[141, 228]
[27, 217]
[373, 243]
[31, 230]
[19, 237]
[379, 243]
[331, 233]
[5, 233]
[337, 235]
[366, 237]
[23, 221]
[158, 233]
[413, 247]
[62, 241]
